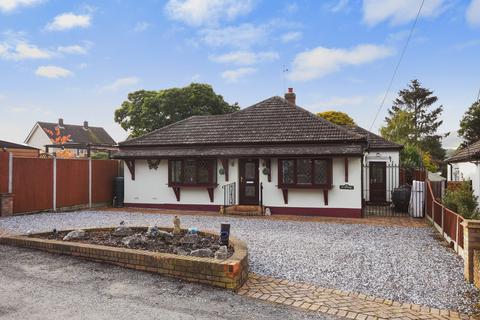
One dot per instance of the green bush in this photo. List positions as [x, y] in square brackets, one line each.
[462, 201]
[100, 155]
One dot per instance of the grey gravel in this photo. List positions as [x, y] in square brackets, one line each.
[398, 263]
[37, 286]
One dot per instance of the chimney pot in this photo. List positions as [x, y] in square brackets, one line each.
[290, 96]
[60, 122]
[85, 125]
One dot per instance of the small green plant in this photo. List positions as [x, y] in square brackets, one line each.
[461, 200]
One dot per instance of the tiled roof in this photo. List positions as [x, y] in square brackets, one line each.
[270, 121]
[12, 145]
[246, 151]
[472, 152]
[78, 134]
[375, 142]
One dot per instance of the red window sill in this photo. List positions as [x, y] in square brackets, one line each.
[297, 186]
[192, 185]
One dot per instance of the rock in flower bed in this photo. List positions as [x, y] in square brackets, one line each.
[151, 239]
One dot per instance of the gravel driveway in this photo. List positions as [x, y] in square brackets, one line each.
[398, 263]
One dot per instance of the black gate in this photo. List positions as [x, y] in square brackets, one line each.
[229, 194]
[391, 190]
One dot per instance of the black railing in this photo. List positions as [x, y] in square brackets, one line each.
[261, 195]
[392, 190]
[229, 194]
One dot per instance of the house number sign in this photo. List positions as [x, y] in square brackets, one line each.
[346, 187]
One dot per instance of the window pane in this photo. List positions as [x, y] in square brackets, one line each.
[176, 174]
[190, 171]
[203, 171]
[304, 171]
[288, 171]
[250, 170]
[320, 172]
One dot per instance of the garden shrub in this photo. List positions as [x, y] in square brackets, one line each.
[462, 200]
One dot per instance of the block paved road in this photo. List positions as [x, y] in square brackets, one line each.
[39, 285]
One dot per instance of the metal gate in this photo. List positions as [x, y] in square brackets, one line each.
[389, 190]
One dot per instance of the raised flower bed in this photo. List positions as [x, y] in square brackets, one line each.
[167, 254]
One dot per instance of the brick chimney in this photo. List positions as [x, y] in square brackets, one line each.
[290, 96]
[85, 125]
[60, 122]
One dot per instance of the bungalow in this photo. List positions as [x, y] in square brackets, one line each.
[273, 155]
[82, 139]
[465, 165]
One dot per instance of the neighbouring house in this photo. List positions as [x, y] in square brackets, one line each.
[465, 165]
[273, 154]
[19, 150]
[82, 139]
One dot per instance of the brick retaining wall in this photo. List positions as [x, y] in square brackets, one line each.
[230, 273]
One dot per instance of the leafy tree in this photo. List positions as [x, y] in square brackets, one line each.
[470, 125]
[410, 156]
[423, 121]
[145, 111]
[462, 201]
[57, 138]
[399, 128]
[337, 117]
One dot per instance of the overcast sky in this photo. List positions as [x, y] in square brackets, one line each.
[79, 59]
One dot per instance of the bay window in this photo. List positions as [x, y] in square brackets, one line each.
[305, 173]
[192, 172]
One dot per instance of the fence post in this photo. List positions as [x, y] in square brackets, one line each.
[471, 243]
[10, 172]
[443, 221]
[457, 230]
[433, 212]
[90, 182]
[54, 184]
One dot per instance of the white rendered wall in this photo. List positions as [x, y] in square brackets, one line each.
[313, 198]
[151, 187]
[38, 139]
[466, 171]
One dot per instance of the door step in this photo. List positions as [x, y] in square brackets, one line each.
[243, 210]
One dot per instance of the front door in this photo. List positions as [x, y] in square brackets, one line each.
[248, 185]
[378, 182]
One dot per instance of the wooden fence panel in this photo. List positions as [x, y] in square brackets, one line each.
[72, 182]
[450, 224]
[103, 172]
[460, 231]
[437, 207]
[32, 184]
[4, 171]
